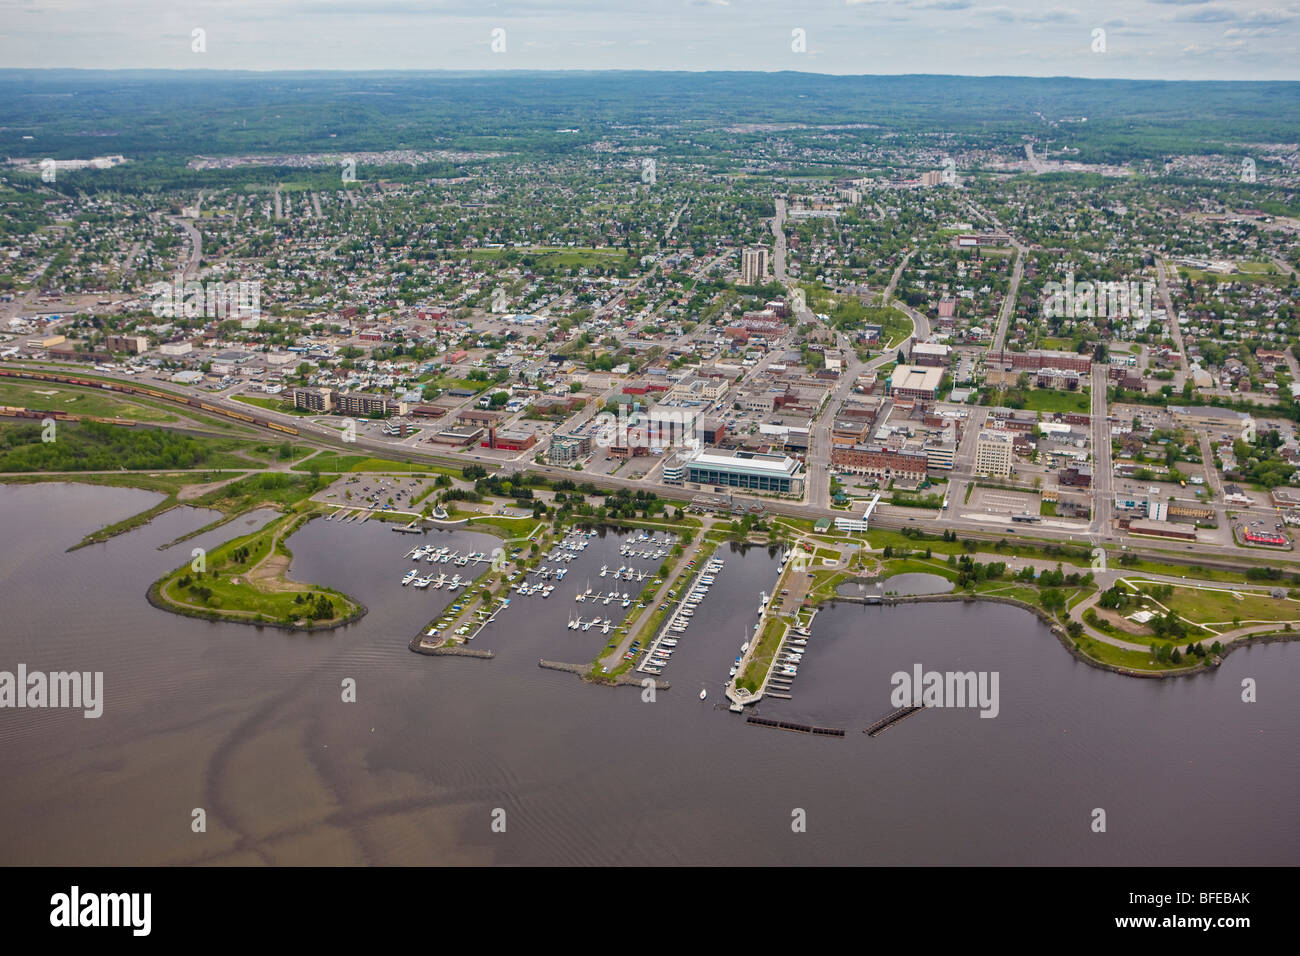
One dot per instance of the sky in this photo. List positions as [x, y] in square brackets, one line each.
[1144, 39]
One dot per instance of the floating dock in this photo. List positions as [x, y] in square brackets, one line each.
[798, 728]
[884, 723]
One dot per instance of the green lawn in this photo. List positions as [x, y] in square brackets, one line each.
[332, 462]
[1055, 400]
[1122, 657]
[232, 595]
[761, 659]
[274, 404]
[52, 396]
[1212, 606]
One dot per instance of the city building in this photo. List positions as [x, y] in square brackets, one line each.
[360, 403]
[914, 381]
[993, 453]
[566, 449]
[930, 354]
[133, 344]
[941, 453]
[754, 267]
[1236, 424]
[1039, 360]
[314, 399]
[503, 440]
[743, 469]
[875, 461]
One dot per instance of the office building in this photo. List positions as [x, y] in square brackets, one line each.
[744, 469]
[993, 453]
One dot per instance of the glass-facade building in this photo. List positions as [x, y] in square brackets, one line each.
[771, 473]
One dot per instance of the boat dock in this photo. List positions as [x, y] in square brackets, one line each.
[884, 723]
[798, 728]
[678, 618]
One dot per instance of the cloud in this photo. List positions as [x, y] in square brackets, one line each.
[1207, 15]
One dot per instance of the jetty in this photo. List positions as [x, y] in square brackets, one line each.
[797, 728]
[884, 723]
[582, 670]
[418, 646]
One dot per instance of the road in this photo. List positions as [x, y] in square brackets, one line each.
[1009, 303]
[1103, 471]
[1175, 330]
[191, 267]
[778, 233]
[1017, 271]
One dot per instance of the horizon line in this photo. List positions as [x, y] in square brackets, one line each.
[575, 71]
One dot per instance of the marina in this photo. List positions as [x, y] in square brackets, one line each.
[543, 739]
[665, 643]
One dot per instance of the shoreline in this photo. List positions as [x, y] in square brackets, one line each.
[1059, 632]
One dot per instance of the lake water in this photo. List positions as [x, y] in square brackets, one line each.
[248, 724]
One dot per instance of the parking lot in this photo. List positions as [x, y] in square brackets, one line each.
[997, 501]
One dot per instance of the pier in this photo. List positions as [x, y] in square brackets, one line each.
[884, 723]
[797, 728]
[674, 615]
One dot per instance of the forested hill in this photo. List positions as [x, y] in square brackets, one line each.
[177, 114]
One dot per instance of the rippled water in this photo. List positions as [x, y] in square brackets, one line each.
[249, 725]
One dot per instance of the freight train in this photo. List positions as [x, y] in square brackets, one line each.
[131, 389]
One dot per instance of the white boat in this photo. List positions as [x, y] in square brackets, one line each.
[605, 627]
[604, 569]
[546, 591]
[580, 596]
[423, 582]
[410, 576]
[703, 693]
[586, 625]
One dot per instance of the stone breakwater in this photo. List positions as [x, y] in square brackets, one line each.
[455, 651]
[584, 671]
